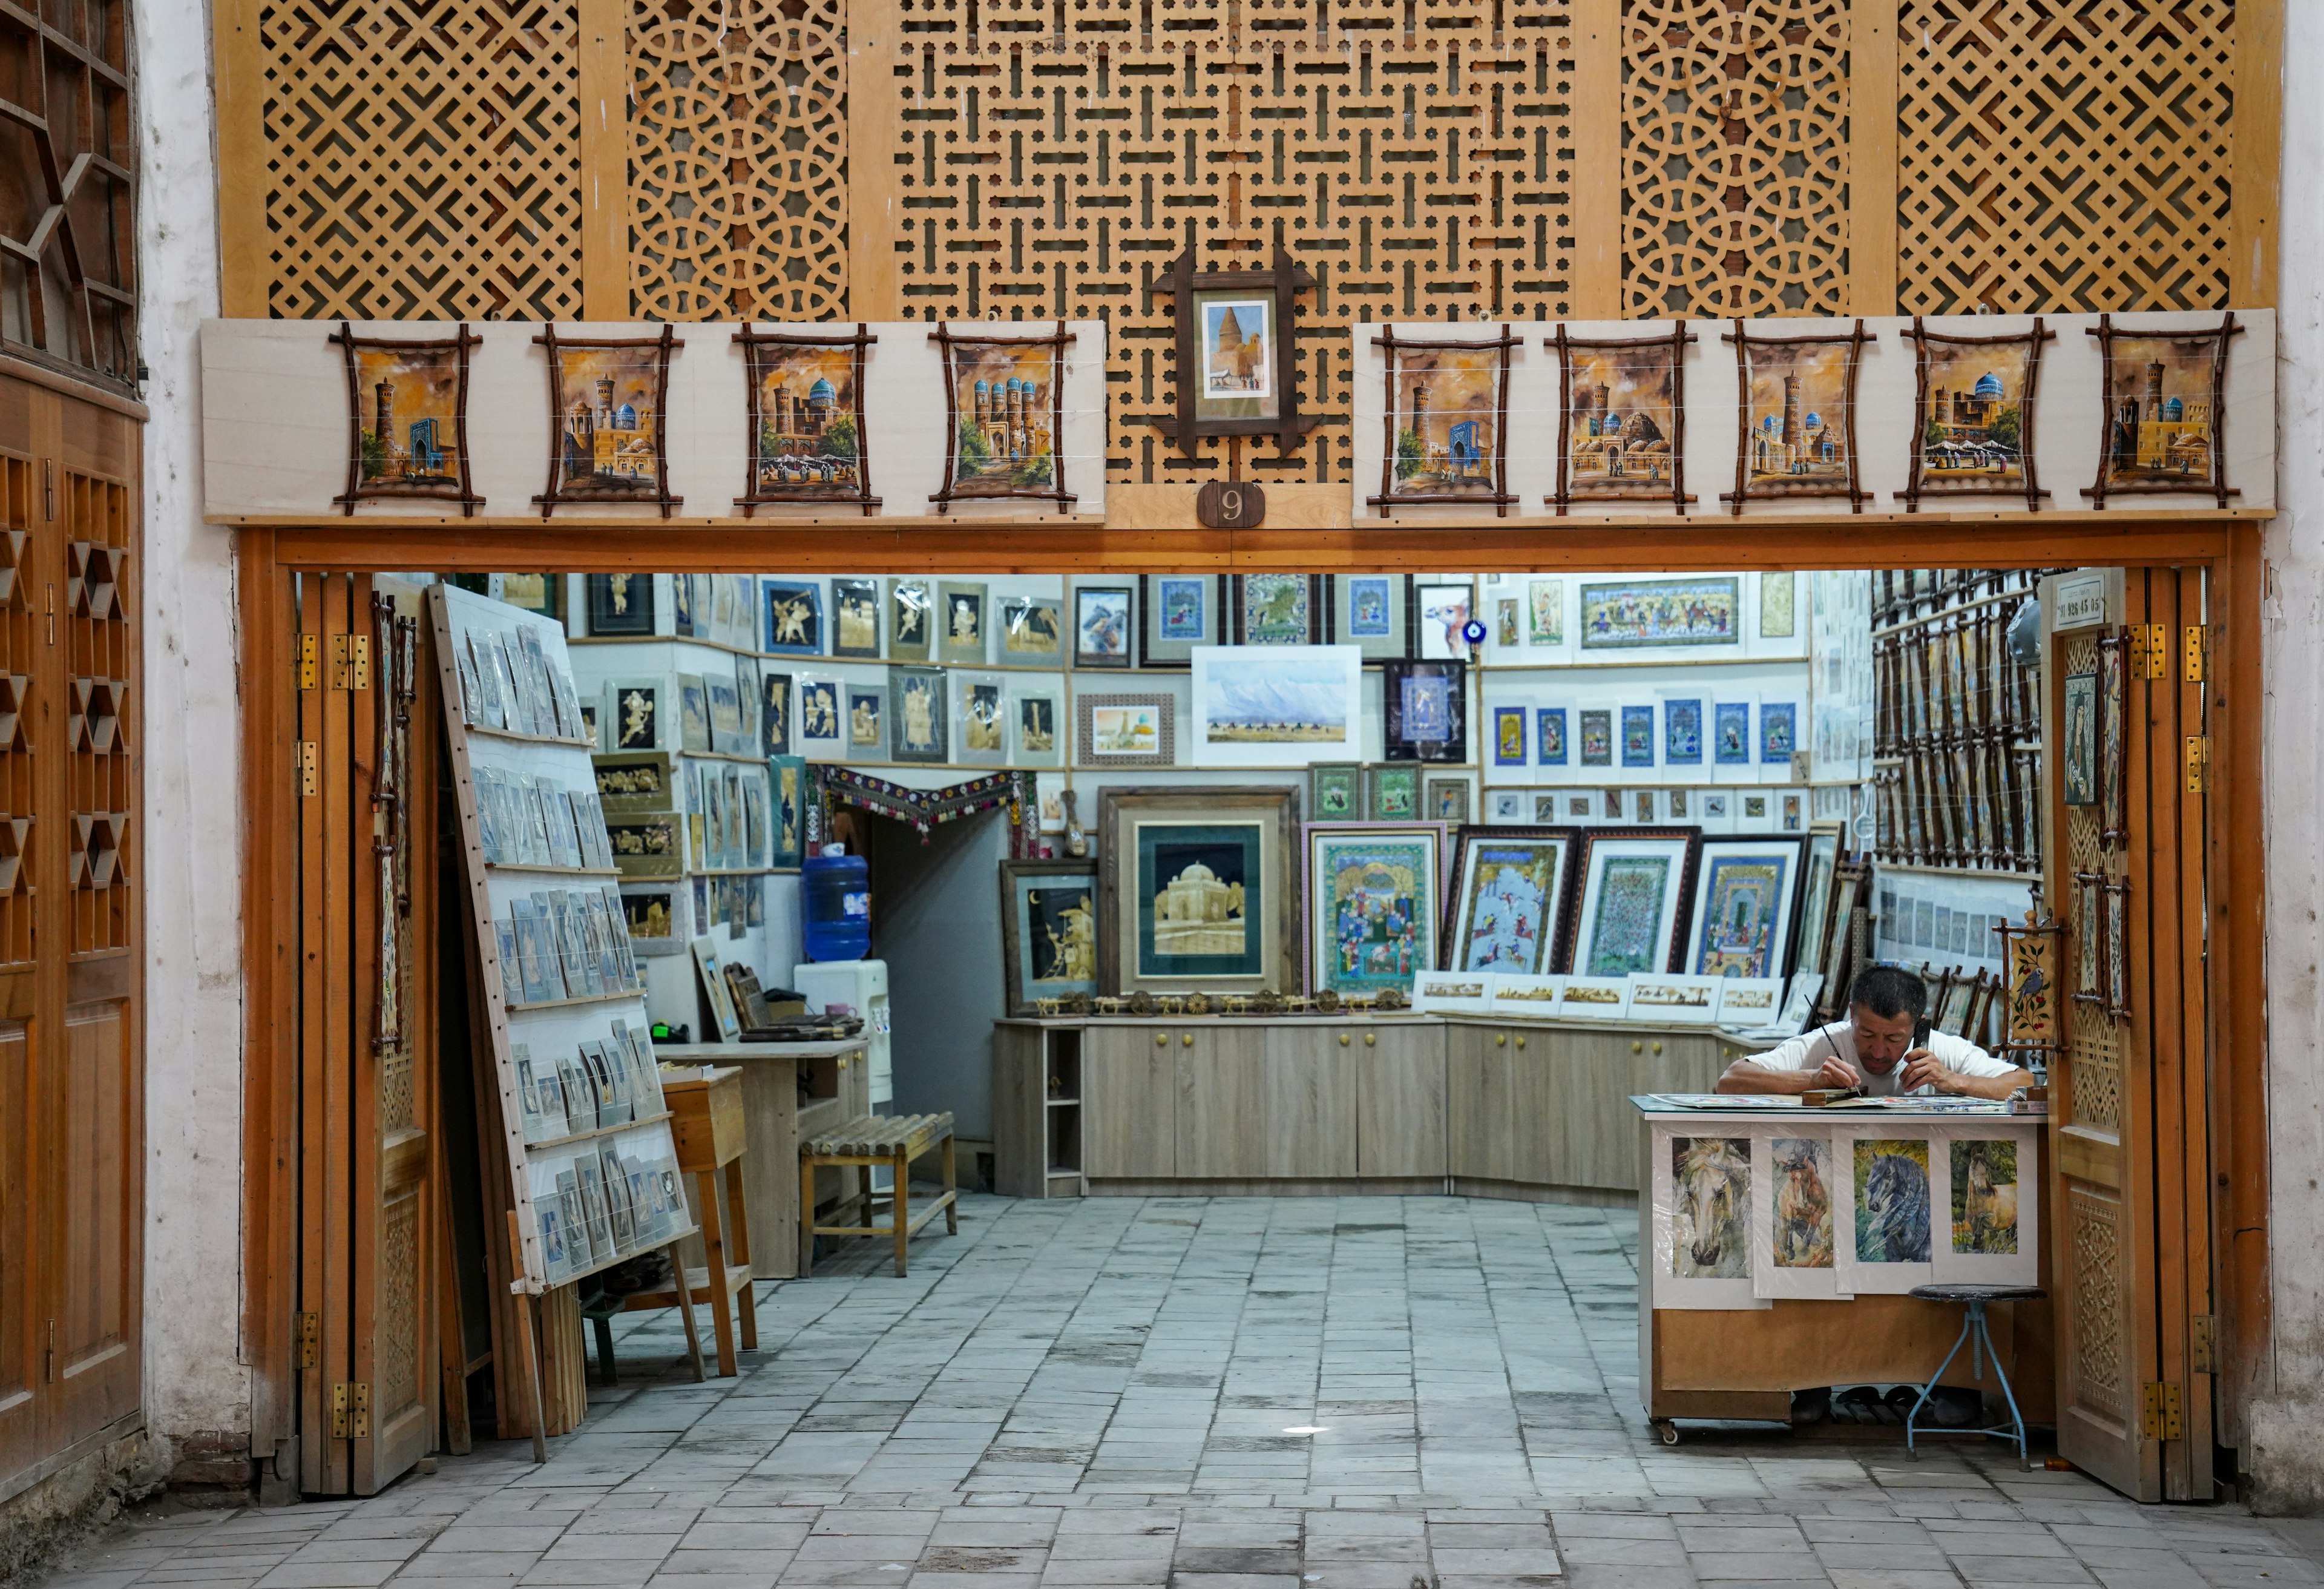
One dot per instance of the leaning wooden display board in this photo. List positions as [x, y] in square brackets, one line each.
[593, 1162]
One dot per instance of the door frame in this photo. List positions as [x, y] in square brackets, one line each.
[2227, 546]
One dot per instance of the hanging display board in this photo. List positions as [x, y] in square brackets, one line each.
[729, 421]
[1786, 418]
[593, 1162]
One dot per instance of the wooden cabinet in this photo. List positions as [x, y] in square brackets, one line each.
[1037, 1109]
[1400, 1098]
[1479, 1102]
[1129, 1127]
[1306, 1125]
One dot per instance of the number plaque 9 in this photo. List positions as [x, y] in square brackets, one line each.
[1229, 504]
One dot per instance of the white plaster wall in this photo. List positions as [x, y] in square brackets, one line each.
[195, 1379]
[2287, 1415]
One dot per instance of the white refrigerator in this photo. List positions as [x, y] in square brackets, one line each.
[861, 987]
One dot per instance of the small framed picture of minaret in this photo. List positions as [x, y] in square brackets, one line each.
[1237, 330]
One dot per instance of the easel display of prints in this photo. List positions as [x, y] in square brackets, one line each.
[590, 1148]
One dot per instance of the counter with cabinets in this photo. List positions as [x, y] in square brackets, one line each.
[1331, 1105]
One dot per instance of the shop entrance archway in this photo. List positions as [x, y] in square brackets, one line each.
[2182, 1311]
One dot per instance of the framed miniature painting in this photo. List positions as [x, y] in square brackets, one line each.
[1798, 434]
[980, 735]
[1508, 899]
[919, 724]
[1628, 911]
[1636, 614]
[1745, 906]
[1373, 891]
[1549, 736]
[1391, 794]
[867, 722]
[621, 604]
[1125, 730]
[1038, 711]
[1730, 733]
[1426, 707]
[2078, 773]
[1235, 350]
[1598, 739]
[1368, 612]
[1779, 605]
[1973, 415]
[1031, 631]
[2089, 939]
[1439, 619]
[2164, 412]
[1778, 731]
[1277, 609]
[1683, 734]
[793, 611]
[774, 713]
[807, 437]
[1263, 705]
[2114, 739]
[1447, 410]
[1199, 889]
[1101, 625]
[1335, 791]
[821, 714]
[1621, 419]
[1638, 736]
[407, 418]
[1508, 736]
[2117, 903]
[1005, 414]
[608, 401]
[962, 611]
[1183, 611]
[1446, 799]
[911, 621]
[1048, 930]
[640, 712]
[855, 619]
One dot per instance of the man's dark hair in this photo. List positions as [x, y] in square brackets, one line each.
[1888, 992]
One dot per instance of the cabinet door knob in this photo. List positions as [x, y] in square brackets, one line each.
[1187, 1039]
[1161, 1039]
[1659, 1048]
[1521, 1042]
[1343, 1040]
[1500, 1039]
[1370, 1037]
[1637, 1047]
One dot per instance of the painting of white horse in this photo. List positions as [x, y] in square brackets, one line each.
[1711, 1203]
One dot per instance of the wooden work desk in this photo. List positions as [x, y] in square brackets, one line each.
[838, 1087]
[1745, 1361]
[1320, 1105]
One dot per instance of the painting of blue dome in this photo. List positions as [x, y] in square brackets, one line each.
[982, 387]
[2173, 409]
[626, 418]
[1015, 384]
[822, 394]
[1815, 422]
[1988, 386]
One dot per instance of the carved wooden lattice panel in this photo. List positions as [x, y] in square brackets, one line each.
[738, 172]
[2063, 157]
[423, 160]
[2101, 1365]
[1414, 155]
[2093, 1039]
[1733, 164]
[101, 712]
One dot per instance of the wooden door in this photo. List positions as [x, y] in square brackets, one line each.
[71, 926]
[1400, 1099]
[368, 1226]
[1129, 1103]
[2129, 1129]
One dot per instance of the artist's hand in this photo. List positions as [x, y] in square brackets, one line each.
[1837, 1072]
[1925, 1070]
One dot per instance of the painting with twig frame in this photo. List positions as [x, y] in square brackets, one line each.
[1446, 411]
[1621, 419]
[407, 418]
[1005, 416]
[808, 441]
[1798, 434]
[1973, 415]
[608, 399]
[2163, 411]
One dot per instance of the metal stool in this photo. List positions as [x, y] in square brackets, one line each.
[1980, 1342]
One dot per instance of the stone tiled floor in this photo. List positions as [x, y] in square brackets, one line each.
[1376, 1393]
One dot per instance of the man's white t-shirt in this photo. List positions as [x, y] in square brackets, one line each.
[1810, 1048]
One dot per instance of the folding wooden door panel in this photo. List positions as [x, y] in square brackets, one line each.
[367, 1228]
[2128, 1126]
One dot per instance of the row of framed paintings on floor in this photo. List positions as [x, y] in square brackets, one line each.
[1221, 891]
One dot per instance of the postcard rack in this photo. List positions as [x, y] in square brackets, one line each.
[593, 1162]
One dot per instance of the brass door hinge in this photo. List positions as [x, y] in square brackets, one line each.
[2149, 649]
[2198, 651]
[2203, 1344]
[310, 660]
[2165, 1420]
[2198, 762]
[310, 779]
[351, 1412]
[310, 1339]
[351, 661]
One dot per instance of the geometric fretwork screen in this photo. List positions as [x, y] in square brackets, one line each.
[2063, 157]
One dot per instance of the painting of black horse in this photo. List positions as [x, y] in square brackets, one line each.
[1892, 1201]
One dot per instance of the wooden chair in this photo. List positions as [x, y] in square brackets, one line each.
[870, 1141]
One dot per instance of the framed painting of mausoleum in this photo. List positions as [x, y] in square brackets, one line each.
[608, 403]
[407, 418]
[1621, 419]
[1004, 416]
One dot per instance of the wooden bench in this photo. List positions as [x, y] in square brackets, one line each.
[871, 1141]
